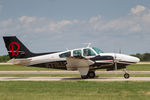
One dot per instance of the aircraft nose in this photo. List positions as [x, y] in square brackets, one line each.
[128, 58]
[137, 59]
[134, 59]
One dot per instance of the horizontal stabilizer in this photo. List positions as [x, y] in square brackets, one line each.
[19, 61]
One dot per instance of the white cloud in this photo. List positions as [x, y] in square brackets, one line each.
[138, 22]
[121, 31]
[138, 9]
[1, 7]
[6, 22]
[95, 24]
[32, 24]
[58, 25]
[135, 28]
[27, 19]
[95, 19]
[146, 17]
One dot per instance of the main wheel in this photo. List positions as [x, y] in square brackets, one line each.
[91, 74]
[84, 76]
[126, 75]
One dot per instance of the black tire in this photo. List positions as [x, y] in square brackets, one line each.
[91, 74]
[84, 76]
[126, 76]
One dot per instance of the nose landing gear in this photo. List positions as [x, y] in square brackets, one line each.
[126, 75]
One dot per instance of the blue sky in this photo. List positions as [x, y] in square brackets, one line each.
[49, 25]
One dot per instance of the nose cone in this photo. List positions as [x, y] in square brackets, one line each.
[134, 59]
[122, 58]
[127, 58]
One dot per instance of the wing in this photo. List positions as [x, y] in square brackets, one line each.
[79, 63]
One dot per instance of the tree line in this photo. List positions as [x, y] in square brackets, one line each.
[142, 57]
[4, 58]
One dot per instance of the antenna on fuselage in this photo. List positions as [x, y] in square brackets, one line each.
[88, 44]
[120, 51]
[67, 49]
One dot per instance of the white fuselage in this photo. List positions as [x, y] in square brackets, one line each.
[121, 58]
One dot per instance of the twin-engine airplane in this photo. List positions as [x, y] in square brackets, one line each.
[85, 60]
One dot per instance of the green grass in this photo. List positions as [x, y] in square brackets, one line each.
[135, 67]
[78, 90]
[145, 61]
[24, 68]
[139, 67]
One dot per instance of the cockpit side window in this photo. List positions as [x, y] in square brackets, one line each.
[88, 52]
[77, 53]
[66, 54]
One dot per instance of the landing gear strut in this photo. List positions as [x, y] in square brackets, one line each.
[126, 75]
[91, 74]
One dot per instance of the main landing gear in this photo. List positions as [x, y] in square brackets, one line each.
[91, 74]
[126, 75]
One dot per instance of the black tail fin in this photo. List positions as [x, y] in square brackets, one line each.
[15, 48]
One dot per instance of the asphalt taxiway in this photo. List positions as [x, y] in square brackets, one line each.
[73, 79]
[71, 72]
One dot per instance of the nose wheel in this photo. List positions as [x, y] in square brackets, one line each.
[126, 75]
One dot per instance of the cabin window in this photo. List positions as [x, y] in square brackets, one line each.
[88, 52]
[66, 54]
[77, 53]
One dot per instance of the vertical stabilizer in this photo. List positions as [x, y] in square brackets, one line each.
[16, 48]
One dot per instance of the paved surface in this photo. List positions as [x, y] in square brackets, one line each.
[143, 63]
[71, 72]
[6, 64]
[72, 79]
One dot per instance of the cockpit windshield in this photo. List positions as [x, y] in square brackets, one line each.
[98, 51]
